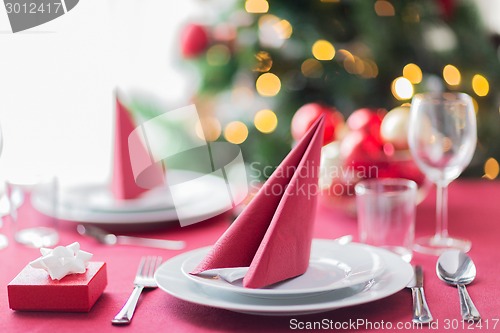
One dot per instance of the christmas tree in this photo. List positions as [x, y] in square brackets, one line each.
[266, 59]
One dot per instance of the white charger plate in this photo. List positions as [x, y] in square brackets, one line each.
[331, 267]
[395, 277]
[204, 201]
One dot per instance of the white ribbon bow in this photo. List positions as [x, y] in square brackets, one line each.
[63, 260]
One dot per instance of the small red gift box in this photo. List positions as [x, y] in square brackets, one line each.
[34, 290]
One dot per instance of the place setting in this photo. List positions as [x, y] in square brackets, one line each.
[289, 273]
[121, 201]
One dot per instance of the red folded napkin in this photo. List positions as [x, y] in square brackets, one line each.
[123, 185]
[273, 234]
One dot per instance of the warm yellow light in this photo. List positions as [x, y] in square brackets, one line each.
[384, 8]
[344, 53]
[413, 73]
[236, 132]
[402, 88]
[218, 55]
[284, 29]
[349, 61]
[475, 104]
[312, 68]
[480, 85]
[370, 69]
[354, 65]
[264, 62]
[491, 168]
[366, 68]
[265, 121]
[268, 19]
[208, 128]
[359, 65]
[256, 6]
[268, 84]
[323, 50]
[350, 64]
[451, 75]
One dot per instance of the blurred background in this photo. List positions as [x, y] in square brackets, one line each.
[247, 65]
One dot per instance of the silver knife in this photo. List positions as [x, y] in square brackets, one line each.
[421, 312]
[104, 237]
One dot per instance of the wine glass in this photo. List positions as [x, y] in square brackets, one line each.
[25, 191]
[442, 138]
[16, 205]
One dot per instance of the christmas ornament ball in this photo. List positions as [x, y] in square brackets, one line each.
[360, 149]
[367, 120]
[194, 40]
[307, 114]
[394, 128]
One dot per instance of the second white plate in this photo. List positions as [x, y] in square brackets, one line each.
[99, 198]
[204, 201]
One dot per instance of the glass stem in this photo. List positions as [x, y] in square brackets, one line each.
[442, 211]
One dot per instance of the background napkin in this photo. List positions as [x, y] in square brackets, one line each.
[273, 234]
[123, 184]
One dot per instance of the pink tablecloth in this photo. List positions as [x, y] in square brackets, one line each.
[474, 213]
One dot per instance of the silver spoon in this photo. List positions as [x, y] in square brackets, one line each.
[456, 268]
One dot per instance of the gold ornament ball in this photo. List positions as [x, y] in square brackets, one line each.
[394, 128]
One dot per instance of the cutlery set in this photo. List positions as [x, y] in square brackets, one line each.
[455, 268]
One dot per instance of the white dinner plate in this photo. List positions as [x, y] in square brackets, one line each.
[98, 197]
[204, 201]
[331, 267]
[395, 277]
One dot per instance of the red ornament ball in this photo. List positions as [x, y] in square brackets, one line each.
[360, 149]
[368, 121]
[363, 146]
[194, 40]
[306, 115]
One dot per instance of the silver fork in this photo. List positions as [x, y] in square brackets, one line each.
[143, 279]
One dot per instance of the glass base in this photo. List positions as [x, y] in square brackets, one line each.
[37, 237]
[435, 245]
